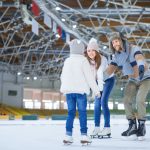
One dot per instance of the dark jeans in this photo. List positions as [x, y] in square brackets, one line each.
[103, 102]
[80, 100]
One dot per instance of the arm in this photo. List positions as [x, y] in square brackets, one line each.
[90, 78]
[110, 70]
[140, 60]
[100, 78]
[112, 67]
[100, 71]
[62, 73]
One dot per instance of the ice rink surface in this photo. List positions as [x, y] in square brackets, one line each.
[49, 134]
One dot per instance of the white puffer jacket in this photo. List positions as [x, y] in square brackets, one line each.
[77, 76]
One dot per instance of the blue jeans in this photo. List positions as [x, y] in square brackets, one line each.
[103, 102]
[80, 100]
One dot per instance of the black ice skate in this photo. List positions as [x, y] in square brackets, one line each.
[141, 131]
[131, 132]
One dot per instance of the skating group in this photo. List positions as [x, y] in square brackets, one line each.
[87, 69]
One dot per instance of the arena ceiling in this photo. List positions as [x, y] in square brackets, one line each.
[24, 52]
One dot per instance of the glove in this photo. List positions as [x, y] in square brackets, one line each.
[141, 71]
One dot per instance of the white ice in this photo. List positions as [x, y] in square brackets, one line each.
[49, 134]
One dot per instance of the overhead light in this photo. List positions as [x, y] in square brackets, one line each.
[121, 88]
[19, 73]
[63, 20]
[28, 78]
[35, 78]
[58, 8]
[74, 26]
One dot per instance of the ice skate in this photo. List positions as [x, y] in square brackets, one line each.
[105, 133]
[95, 132]
[85, 140]
[68, 140]
[131, 132]
[141, 131]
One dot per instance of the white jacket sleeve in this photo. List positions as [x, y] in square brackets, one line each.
[101, 69]
[89, 77]
[62, 73]
[62, 78]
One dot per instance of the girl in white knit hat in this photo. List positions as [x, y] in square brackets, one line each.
[99, 64]
[76, 81]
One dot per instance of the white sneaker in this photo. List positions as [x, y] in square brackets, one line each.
[95, 131]
[105, 132]
[68, 139]
[85, 139]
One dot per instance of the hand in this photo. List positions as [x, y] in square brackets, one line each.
[98, 95]
[141, 71]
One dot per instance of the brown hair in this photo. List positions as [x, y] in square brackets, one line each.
[97, 59]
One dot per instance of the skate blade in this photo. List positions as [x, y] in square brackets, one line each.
[67, 142]
[84, 143]
[94, 136]
[130, 138]
[141, 138]
[104, 136]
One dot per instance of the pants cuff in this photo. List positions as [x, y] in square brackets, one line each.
[69, 133]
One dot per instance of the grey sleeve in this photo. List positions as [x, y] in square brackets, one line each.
[114, 61]
[135, 50]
